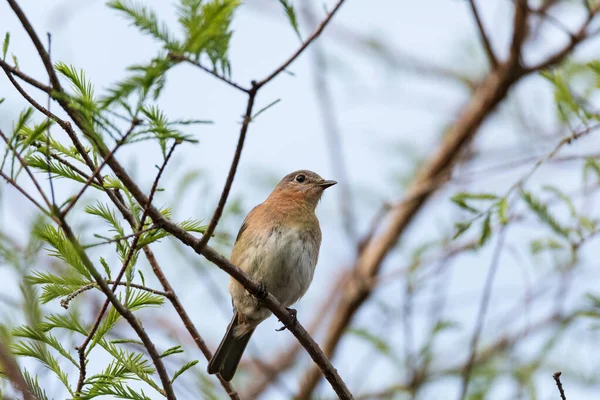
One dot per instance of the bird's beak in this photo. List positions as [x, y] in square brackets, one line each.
[325, 184]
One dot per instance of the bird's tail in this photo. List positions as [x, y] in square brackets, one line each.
[227, 357]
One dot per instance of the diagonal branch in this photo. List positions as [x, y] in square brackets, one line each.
[181, 57]
[308, 41]
[37, 43]
[483, 35]
[483, 307]
[574, 41]
[13, 372]
[232, 170]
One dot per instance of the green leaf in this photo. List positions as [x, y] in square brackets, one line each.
[172, 350]
[461, 227]
[146, 20]
[563, 196]
[5, 45]
[206, 25]
[541, 210]
[183, 369]
[34, 386]
[591, 165]
[461, 198]
[546, 244]
[379, 344]
[486, 230]
[291, 14]
[503, 211]
[62, 248]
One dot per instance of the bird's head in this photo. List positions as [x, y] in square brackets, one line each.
[303, 185]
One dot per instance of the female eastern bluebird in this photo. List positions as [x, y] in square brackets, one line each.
[278, 245]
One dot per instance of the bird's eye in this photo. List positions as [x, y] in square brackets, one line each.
[300, 178]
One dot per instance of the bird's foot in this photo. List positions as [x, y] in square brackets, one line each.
[262, 292]
[294, 313]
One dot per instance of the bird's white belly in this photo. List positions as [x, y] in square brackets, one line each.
[286, 264]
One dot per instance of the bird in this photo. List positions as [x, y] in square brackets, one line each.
[277, 245]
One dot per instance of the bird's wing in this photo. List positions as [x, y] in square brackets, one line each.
[244, 225]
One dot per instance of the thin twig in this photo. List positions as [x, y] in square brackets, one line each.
[120, 238]
[483, 307]
[308, 41]
[232, 170]
[64, 303]
[575, 40]
[11, 181]
[556, 377]
[26, 167]
[181, 57]
[483, 35]
[48, 132]
[55, 83]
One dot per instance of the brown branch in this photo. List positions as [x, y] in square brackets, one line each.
[187, 321]
[132, 249]
[556, 377]
[232, 170]
[37, 43]
[308, 41]
[483, 35]
[483, 307]
[7, 67]
[574, 41]
[181, 57]
[286, 360]
[13, 372]
[519, 32]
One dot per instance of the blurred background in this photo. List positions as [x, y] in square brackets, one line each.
[368, 104]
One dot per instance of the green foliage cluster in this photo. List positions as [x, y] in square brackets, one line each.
[124, 114]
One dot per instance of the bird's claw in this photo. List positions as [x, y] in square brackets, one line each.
[293, 313]
[262, 292]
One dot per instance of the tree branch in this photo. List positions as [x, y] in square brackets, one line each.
[232, 170]
[483, 35]
[574, 41]
[13, 372]
[37, 43]
[181, 57]
[308, 41]
[485, 300]
[556, 377]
